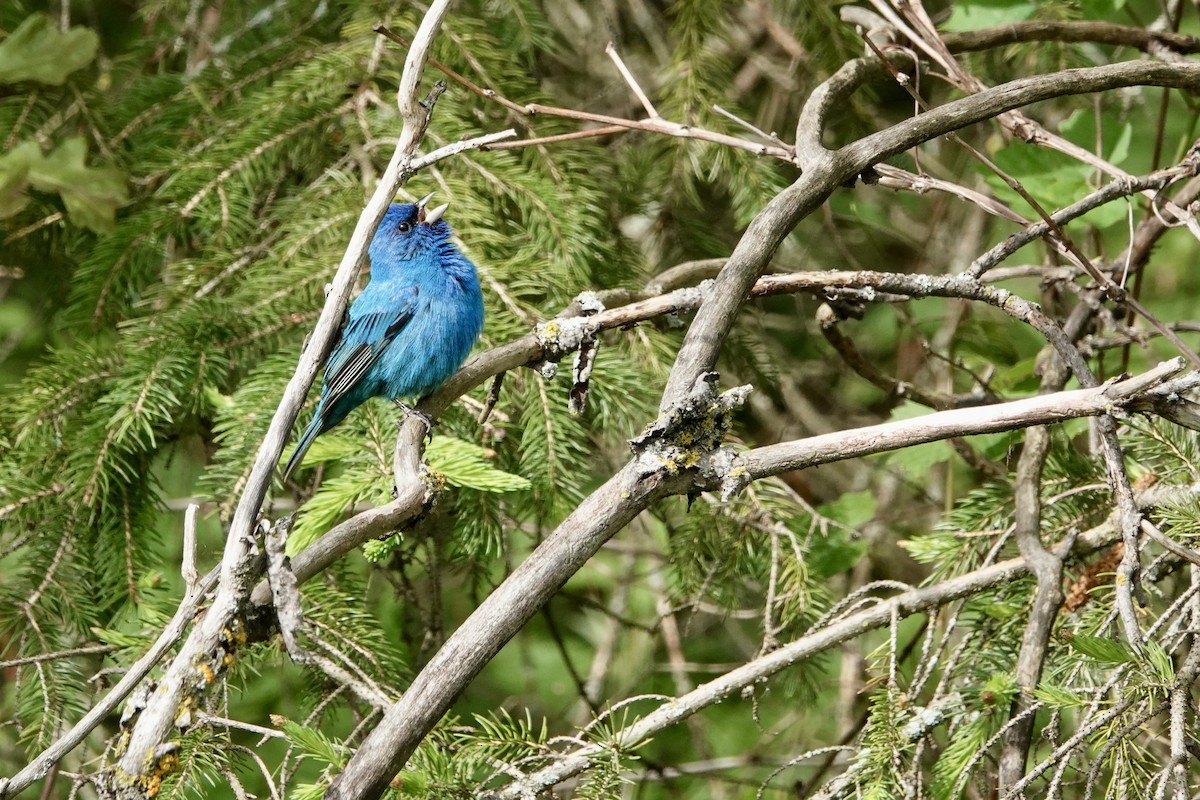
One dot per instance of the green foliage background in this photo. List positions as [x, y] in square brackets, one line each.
[177, 181]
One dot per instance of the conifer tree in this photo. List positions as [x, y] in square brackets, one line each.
[895, 522]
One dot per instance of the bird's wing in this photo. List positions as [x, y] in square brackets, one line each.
[363, 339]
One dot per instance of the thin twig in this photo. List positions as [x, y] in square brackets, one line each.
[629, 79]
[191, 578]
[1169, 544]
[91, 649]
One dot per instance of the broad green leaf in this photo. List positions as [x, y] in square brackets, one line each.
[1080, 128]
[971, 15]
[1053, 179]
[998, 446]
[463, 465]
[38, 51]
[851, 509]
[833, 553]
[14, 175]
[837, 550]
[92, 195]
[916, 461]
[1120, 148]
[1019, 377]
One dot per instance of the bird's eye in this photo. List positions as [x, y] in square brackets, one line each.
[404, 227]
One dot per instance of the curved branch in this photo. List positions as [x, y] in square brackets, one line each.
[240, 565]
[845, 629]
[1070, 31]
[496, 620]
[1008, 96]
[826, 171]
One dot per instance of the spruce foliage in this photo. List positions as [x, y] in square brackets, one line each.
[175, 190]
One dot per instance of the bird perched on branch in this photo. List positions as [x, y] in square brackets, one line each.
[411, 327]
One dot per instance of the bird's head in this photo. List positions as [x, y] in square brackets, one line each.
[408, 232]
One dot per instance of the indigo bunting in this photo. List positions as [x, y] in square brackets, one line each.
[411, 327]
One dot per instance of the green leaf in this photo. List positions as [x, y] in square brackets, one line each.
[308, 791]
[92, 195]
[38, 51]
[948, 783]
[851, 509]
[1101, 648]
[970, 15]
[1120, 150]
[14, 175]
[916, 461]
[463, 465]
[1080, 128]
[1053, 179]
[837, 551]
[1019, 377]
[357, 483]
[118, 638]
[833, 553]
[332, 447]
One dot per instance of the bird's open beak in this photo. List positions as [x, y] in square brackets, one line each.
[436, 214]
[430, 217]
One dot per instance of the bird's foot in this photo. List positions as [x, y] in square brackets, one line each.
[425, 419]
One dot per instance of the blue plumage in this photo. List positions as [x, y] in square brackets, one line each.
[411, 327]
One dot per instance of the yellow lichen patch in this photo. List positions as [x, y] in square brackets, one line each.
[167, 764]
[183, 717]
[435, 480]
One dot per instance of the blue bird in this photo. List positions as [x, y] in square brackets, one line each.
[411, 327]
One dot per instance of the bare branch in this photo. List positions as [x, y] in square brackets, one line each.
[240, 564]
[1070, 31]
[846, 628]
[171, 634]
[825, 171]
[191, 578]
[629, 79]
[1047, 567]
[826, 448]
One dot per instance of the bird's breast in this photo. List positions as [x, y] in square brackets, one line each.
[431, 347]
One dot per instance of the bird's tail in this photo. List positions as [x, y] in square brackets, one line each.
[306, 439]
